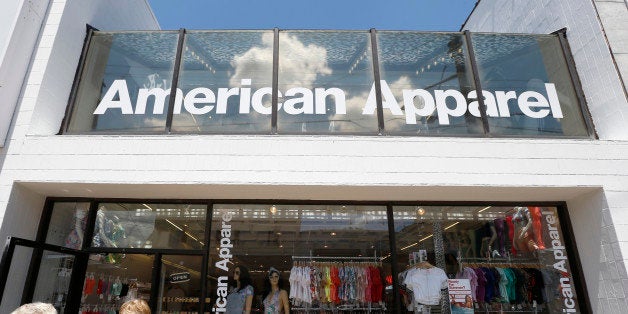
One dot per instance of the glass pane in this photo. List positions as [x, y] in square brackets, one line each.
[326, 80]
[113, 279]
[180, 289]
[67, 224]
[53, 280]
[226, 78]
[529, 86]
[338, 245]
[513, 257]
[426, 81]
[141, 225]
[125, 83]
[16, 279]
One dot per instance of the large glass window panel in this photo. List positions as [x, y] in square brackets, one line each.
[112, 279]
[18, 273]
[125, 83]
[325, 80]
[426, 81]
[67, 224]
[531, 92]
[323, 242]
[53, 282]
[226, 78]
[145, 225]
[514, 257]
[180, 289]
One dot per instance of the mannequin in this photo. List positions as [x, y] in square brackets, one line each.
[535, 212]
[489, 238]
[501, 235]
[472, 251]
[74, 240]
[464, 243]
[275, 298]
[523, 240]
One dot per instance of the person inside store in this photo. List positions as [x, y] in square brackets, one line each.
[35, 308]
[240, 297]
[135, 306]
[275, 298]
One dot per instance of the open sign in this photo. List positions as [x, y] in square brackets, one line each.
[179, 277]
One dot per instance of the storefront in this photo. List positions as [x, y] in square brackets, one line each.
[344, 255]
[352, 256]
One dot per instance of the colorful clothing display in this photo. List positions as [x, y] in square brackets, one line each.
[335, 284]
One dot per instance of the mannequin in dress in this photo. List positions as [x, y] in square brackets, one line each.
[524, 238]
[74, 240]
[275, 298]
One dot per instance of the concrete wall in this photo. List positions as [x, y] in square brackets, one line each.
[613, 16]
[589, 36]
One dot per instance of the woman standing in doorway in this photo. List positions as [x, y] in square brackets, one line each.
[275, 298]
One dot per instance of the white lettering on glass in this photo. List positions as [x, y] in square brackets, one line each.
[444, 104]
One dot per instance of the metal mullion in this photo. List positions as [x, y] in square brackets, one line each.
[155, 282]
[175, 80]
[109, 250]
[91, 224]
[31, 276]
[393, 259]
[77, 277]
[205, 261]
[575, 81]
[5, 263]
[477, 83]
[77, 80]
[378, 85]
[275, 83]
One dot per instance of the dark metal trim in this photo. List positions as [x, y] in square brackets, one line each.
[275, 83]
[175, 80]
[309, 202]
[205, 262]
[32, 275]
[5, 263]
[155, 283]
[393, 258]
[44, 221]
[378, 84]
[106, 250]
[65, 123]
[575, 81]
[477, 83]
[574, 258]
[77, 278]
[91, 225]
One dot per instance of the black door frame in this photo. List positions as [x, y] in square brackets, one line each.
[76, 277]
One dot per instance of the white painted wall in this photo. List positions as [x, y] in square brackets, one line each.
[605, 94]
[36, 74]
[591, 175]
[20, 24]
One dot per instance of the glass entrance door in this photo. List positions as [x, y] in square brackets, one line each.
[180, 284]
[53, 270]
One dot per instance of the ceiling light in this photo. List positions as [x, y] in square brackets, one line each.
[420, 211]
[273, 209]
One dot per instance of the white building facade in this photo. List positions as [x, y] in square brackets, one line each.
[54, 158]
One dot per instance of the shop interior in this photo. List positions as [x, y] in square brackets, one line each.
[330, 258]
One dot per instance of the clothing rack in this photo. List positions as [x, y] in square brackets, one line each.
[502, 263]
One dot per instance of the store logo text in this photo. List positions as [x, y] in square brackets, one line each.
[300, 100]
